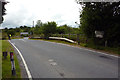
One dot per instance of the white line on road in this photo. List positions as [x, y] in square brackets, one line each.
[23, 40]
[50, 60]
[53, 63]
[26, 67]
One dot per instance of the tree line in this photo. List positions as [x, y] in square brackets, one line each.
[95, 16]
[2, 10]
[41, 29]
[104, 17]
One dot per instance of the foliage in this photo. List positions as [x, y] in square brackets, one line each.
[65, 29]
[3, 10]
[43, 30]
[101, 16]
[39, 23]
[6, 64]
[38, 28]
[48, 29]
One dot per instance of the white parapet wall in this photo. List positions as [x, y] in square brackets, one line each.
[59, 38]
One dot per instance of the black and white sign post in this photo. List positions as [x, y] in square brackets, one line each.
[13, 64]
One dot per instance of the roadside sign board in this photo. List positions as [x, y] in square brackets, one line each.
[99, 34]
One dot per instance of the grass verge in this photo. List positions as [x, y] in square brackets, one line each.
[109, 50]
[6, 63]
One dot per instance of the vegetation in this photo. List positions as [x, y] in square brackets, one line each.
[3, 10]
[44, 30]
[6, 64]
[101, 16]
[48, 29]
[95, 16]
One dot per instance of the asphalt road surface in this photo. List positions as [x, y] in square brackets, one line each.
[51, 60]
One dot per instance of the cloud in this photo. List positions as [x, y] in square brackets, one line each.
[23, 12]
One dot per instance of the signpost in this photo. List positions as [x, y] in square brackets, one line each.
[99, 34]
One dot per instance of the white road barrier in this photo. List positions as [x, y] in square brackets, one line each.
[62, 39]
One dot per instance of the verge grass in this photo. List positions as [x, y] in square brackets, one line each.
[6, 63]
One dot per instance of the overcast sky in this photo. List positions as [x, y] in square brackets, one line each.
[24, 12]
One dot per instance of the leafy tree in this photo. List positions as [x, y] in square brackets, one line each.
[60, 30]
[64, 29]
[2, 4]
[17, 29]
[11, 31]
[48, 29]
[39, 23]
[6, 29]
[38, 28]
[101, 16]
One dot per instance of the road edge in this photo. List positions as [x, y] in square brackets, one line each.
[85, 49]
[23, 60]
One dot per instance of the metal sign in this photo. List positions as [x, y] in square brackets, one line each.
[99, 34]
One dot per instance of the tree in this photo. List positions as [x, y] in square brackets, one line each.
[101, 16]
[11, 31]
[64, 29]
[17, 29]
[38, 28]
[39, 23]
[2, 6]
[48, 29]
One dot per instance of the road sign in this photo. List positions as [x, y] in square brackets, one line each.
[99, 34]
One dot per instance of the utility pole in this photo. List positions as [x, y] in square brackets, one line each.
[33, 23]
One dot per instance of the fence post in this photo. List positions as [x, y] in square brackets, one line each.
[78, 39]
[106, 43]
[61, 35]
[12, 63]
[5, 55]
[69, 35]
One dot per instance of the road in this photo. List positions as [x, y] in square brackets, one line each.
[52, 60]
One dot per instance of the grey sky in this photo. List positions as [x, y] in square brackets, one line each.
[23, 12]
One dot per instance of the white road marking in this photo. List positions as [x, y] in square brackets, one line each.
[23, 40]
[53, 63]
[51, 60]
[14, 43]
[26, 67]
[101, 53]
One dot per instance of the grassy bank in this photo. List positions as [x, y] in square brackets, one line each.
[109, 50]
[6, 64]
